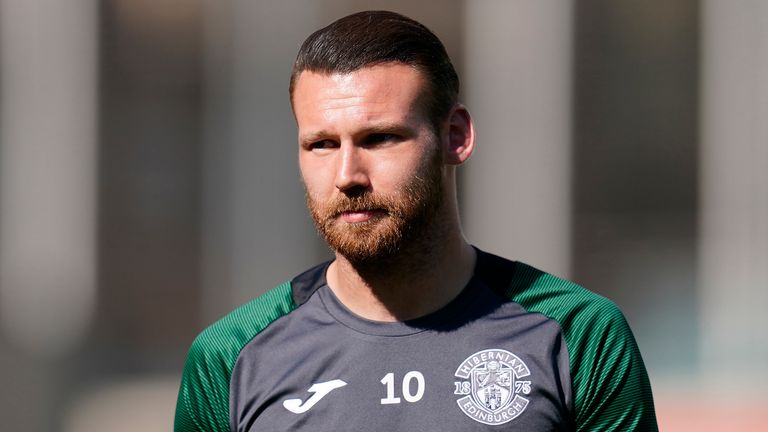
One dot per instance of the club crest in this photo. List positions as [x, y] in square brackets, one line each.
[492, 386]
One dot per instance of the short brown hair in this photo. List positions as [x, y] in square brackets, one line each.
[376, 37]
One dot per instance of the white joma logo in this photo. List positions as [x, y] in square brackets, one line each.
[319, 389]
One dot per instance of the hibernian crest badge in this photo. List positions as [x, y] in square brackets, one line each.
[492, 386]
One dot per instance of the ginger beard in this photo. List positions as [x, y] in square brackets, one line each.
[398, 219]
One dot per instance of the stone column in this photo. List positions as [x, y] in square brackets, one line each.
[515, 190]
[47, 172]
[256, 229]
[734, 193]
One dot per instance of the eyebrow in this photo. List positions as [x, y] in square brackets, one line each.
[381, 127]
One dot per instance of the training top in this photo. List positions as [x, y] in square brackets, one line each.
[517, 350]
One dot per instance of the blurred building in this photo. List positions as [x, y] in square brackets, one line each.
[148, 184]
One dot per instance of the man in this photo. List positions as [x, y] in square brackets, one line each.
[409, 327]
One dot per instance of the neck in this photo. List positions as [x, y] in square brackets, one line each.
[421, 279]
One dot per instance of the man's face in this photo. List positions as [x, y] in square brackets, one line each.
[369, 157]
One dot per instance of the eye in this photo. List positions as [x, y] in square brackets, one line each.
[381, 138]
[322, 145]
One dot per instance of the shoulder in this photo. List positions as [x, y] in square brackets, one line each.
[229, 334]
[574, 307]
[223, 340]
[590, 323]
[610, 383]
[203, 402]
[578, 310]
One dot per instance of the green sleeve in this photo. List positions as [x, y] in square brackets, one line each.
[203, 401]
[611, 390]
[610, 384]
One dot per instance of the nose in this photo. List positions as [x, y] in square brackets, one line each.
[351, 170]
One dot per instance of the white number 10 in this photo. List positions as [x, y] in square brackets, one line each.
[389, 382]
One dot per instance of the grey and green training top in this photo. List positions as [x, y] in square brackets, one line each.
[517, 350]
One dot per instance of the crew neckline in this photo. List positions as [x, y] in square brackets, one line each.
[448, 316]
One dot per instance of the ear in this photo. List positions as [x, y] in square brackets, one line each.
[461, 136]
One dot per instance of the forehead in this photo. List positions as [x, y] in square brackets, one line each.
[382, 92]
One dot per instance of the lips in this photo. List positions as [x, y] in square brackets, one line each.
[357, 216]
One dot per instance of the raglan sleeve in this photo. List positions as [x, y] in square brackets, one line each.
[612, 391]
[203, 401]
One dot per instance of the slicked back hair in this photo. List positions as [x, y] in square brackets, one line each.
[372, 38]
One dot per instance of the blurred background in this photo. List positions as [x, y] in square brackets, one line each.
[148, 184]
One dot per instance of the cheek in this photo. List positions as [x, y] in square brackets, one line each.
[394, 173]
[313, 175]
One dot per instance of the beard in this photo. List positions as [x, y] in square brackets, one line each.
[398, 220]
